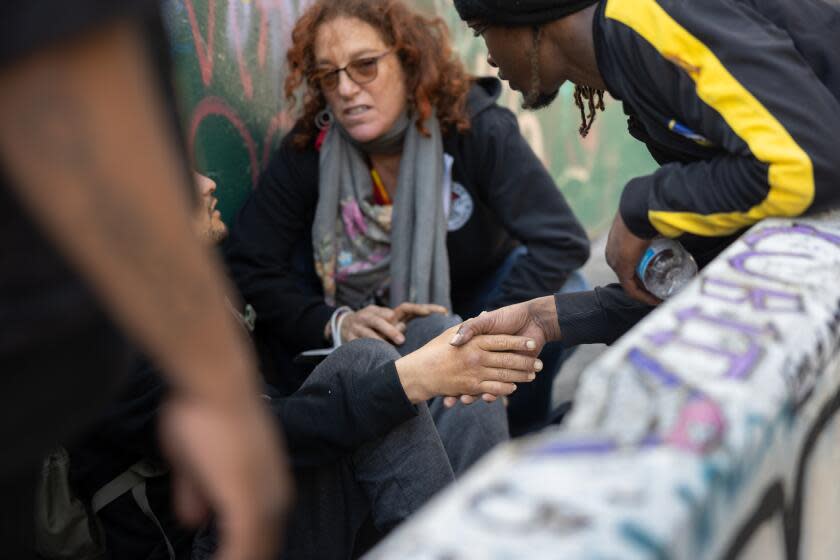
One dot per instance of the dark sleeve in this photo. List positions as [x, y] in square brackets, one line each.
[520, 191]
[130, 422]
[330, 416]
[599, 316]
[725, 76]
[265, 243]
[33, 24]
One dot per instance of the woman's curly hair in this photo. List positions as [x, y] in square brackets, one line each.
[436, 81]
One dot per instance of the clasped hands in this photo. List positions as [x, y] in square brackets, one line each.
[534, 321]
[485, 356]
[491, 365]
[537, 319]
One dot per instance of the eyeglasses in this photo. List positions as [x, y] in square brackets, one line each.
[362, 71]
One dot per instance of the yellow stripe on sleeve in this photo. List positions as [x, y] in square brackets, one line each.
[790, 174]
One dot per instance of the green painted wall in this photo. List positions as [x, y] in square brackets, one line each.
[229, 57]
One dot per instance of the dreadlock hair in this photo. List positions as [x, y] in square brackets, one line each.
[595, 102]
[594, 97]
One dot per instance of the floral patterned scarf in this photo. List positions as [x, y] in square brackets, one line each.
[367, 253]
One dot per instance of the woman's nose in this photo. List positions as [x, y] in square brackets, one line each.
[346, 86]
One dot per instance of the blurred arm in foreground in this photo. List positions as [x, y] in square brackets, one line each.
[85, 141]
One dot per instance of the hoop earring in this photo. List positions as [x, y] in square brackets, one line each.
[324, 119]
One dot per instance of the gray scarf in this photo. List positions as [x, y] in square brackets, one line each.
[362, 250]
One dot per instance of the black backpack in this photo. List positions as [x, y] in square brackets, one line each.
[66, 528]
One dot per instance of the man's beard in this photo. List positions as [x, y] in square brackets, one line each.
[217, 234]
[536, 100]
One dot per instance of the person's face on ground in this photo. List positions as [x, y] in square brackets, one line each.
[511, 50]
[368, 110]
[207, 221]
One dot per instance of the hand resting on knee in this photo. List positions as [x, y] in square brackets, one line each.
[384, 323]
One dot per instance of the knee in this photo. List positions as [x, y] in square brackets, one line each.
[435, 323]
[355, 358]
[490, 420]
[423, 329]
[366, 349]
[492, 415]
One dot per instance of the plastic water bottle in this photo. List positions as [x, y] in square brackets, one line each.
[666, 267]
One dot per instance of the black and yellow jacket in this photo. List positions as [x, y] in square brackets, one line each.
[738, 100]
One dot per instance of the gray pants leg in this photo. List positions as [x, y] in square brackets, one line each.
[420, 331]
[386, 479]
[402, 470]
[392, 477]
[467, 432]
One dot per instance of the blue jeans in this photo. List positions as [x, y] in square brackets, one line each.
[529, 408]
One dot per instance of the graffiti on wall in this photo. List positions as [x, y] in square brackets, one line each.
[230, 57]
[689, 437]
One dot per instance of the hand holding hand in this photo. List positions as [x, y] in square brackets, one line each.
[490, 364]
[535, 319]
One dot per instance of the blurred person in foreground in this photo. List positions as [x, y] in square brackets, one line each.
[95, 236]
[739, 101]
[365, 449]
[403, 188]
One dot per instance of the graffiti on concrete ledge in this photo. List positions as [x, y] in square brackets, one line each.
[696, 436]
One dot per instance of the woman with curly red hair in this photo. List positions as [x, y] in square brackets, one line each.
[402, 193]
[407, 187]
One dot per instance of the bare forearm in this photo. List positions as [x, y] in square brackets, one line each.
[82, 134]
[412, 382]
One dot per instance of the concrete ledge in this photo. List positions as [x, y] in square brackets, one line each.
[709, 431]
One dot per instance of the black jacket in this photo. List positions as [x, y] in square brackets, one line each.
[514, 200]
[322, 423]
[739, 101]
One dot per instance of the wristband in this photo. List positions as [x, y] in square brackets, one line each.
[335, 324]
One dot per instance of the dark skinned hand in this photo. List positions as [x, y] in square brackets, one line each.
[624, 251]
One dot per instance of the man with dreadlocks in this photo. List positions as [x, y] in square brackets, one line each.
[738, 100]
